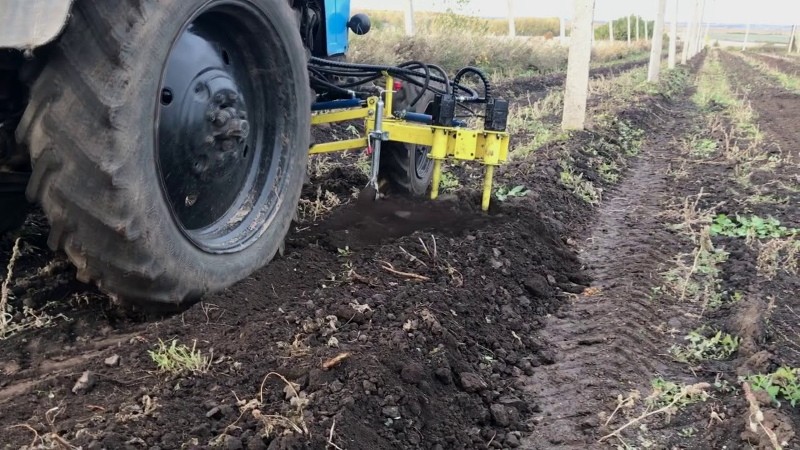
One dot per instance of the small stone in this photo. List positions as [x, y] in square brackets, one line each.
[336, 386]
[232, 443]
[444, 375]
[524, 301]
[471, 382]
[84, 383]
[369, 386]
[112, 361]
[412, 373]
[392, 412]
[512, 440]
[214, 413]
[551, 279]
[504, 415]
[537, 286]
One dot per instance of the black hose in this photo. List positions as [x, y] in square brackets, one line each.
[427, 85]
[397, 72]
[487, 86]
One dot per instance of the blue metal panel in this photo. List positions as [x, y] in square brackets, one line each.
[337, 14]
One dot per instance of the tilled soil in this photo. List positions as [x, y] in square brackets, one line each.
[408, 323]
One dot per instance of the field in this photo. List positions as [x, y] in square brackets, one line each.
[633, 286]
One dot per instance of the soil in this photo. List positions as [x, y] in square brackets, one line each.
[415, 324]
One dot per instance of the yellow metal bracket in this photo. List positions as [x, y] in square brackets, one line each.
[489, 148]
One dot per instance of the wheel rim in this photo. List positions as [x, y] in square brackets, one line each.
[422, 163]
[217, 122]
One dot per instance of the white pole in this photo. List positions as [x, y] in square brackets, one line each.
[746, 37]
[580, 53]
[791, 39]
[657, 43]
[611, 31]
[562, 28]
[629, 29]
[637, 27]
[698, 44]
[512, 27]
[673, 37]
[690, 33]
[409, 17]
[646, 30]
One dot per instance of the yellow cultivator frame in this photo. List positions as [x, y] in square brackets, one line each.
[489, 148]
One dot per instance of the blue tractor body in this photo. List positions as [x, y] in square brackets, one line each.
[337, 15]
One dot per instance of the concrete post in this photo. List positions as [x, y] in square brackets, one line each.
[611, 31]
[746, 37]
[657, 44]
[673, 37]
[637, 27]
[409, 4]
[698, 43]
[512, 26]
[580, 54]
[629, 29]
[690, 34]
[791, 39]
[646, 30]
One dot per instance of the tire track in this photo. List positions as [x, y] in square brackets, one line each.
[609, 344]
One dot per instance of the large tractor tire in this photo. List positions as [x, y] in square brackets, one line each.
[169, 141]
[406, 167]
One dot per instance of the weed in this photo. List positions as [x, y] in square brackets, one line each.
[753, 227]
[449, 183]
[702, 147]
[777, 254]
[313, 210]
[609, 172]
[344, 252]
[687, 432]
[671, 393]
[178, 359]
[783, 384]
[702, 346]
[700, 281]
[504, 193]
[581, 188]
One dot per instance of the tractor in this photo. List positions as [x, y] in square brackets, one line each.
[167, 141]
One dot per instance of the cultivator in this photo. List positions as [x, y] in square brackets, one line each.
[440, 130]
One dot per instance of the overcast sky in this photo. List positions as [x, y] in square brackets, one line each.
[765, 12]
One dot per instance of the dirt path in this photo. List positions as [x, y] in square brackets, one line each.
[608, 339]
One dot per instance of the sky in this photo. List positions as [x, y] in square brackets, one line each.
[762, 12]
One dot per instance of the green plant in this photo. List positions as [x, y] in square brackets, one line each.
[581, 188]
[609, 172]
[449, 182]
[503, 192]
[750, 227]
[630, 137]
[344, 252]
[687, 432]
[178, 359]
[668, 392]
[784, 384]
[702, 346]
[702, 147]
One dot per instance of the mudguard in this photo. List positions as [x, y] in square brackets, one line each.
[27, 24]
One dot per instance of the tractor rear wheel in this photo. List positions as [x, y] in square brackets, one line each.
[406, 167]
[169, 142]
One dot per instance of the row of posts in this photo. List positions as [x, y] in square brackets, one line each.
[580, 50]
